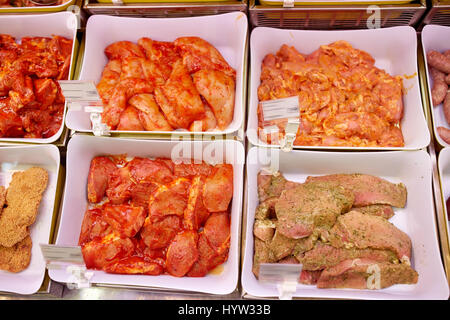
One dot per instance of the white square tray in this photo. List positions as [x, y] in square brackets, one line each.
[394, 50]
[80, 151]
[417, 219]
[227, 32]
[435, 37]
[41, 25]
[20, 158]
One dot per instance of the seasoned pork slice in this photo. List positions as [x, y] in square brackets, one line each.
[368, 189]
[281, 246]
[358, 230]
[262, 254]
[324, 256]
[381, 210]
[264, 229]
[366, 274]
[266, 209]
[308, 206]
[270, 186]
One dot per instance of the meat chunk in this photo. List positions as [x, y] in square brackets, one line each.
[208, 258]
[100, 172]
[129, 120]
[271, 185]
[159, 234]
[357, 230]
[144, 170]
[102, 251]
[162, 53]
[217, 231]
[93, 226]
[169, 199]
[123, 49]
[308, 206]
[199, 54]
[366, 274]
[134, 265]
[218, 188]
[219, 91]
[368, 189]
[382, 210]
[150, 115]
[179, 99]
[126, 220]
[109, 79]
[323, 256]
[182, 253]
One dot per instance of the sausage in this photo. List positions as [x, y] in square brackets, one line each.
[444, 133]
[440, 86]
[446, 107]
[438, 61]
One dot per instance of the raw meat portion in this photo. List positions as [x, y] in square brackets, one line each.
[134, 265]
[357, 230]
[123, 49]
[99, 176]
[148, 216]
[381, 210]
[93, 226]
[164, 54]
[271, 185]
[144, 170]
[281, 246]
[150, 115]
[324, 256]
[218, 188]
[368, 189]
[179, 99]
[158, 235]
[217, 231]
[149, 86]
[218, 90]
[264, 229]
[199, 54]
[124, 219]
[101, 251]
[336, 226]
[262, 254]
[129, 120]
[208, 258]
[31, 102]
[182, 253]
[119, 186]
[109, 79]
[366, 274]
[169, 199]
[311, 205]
[344, 99]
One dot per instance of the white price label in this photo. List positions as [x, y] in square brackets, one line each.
[77, 90]
[280, 108]
[54, 253]
[284, 275]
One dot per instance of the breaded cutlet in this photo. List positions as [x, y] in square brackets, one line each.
[17, 257]
[2, 197]
[23, 198]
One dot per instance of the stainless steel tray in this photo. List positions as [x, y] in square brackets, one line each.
[164, 9]
[333, 17]
[439, 13]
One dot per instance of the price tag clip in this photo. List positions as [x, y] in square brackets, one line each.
[71, 259]
[284, 275]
